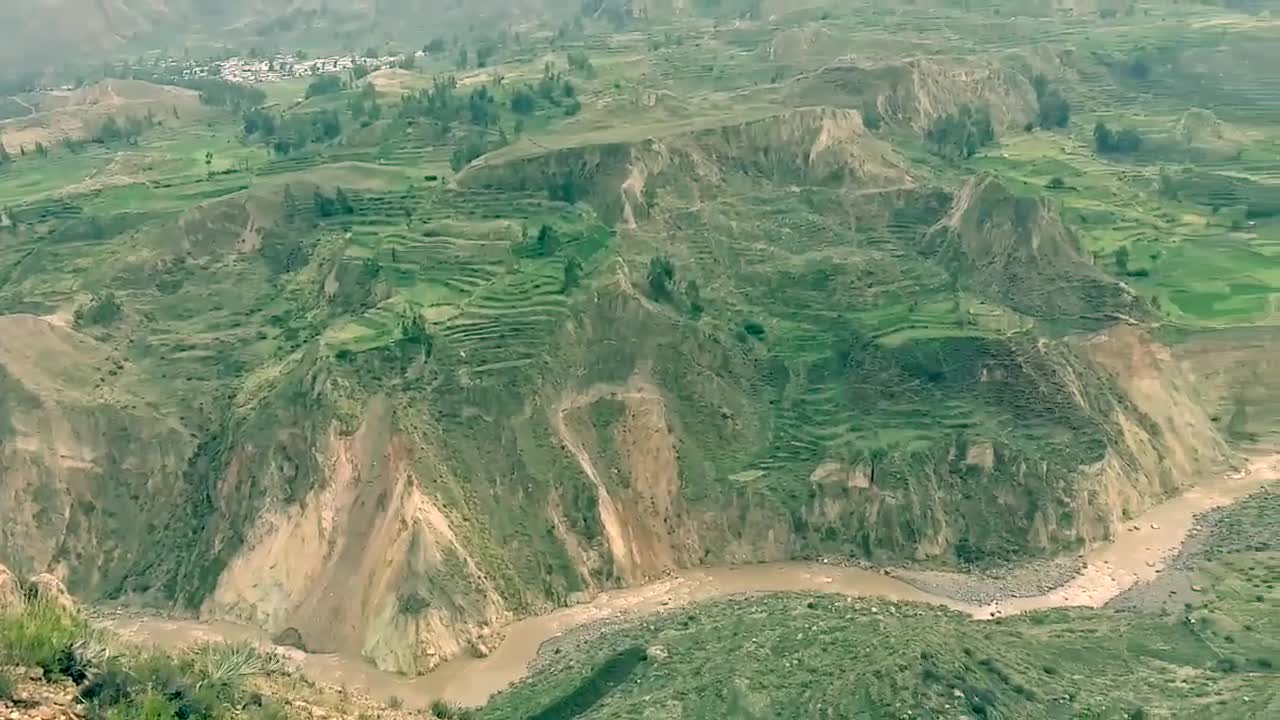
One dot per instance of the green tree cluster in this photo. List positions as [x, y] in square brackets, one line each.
[112, 130]
[1055, 109]
[325, 85]
[1125, 141]
[216, 92]
[334, 206]
[959, 135]
[293, 132]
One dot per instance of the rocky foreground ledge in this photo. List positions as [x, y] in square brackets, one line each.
[55, 664]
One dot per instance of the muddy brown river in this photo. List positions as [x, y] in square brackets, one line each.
[1138, 552]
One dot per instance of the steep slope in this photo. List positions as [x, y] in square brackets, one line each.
[82, 455]
[392, 430]
[56, 115]
[917, 91]
[817, 146]
[1020, 253]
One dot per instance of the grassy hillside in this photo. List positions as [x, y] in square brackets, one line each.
[484, 341]
[1212, 653]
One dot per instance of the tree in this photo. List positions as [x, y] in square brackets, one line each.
[959, 135]
[1055, 109]
[1127, 140]
[523, 101]
[1103, 139]
[208, 162]
[1121, 258]
[485, 52]
[547, 242]
[103, 309]
[5, 157]
[473, 147]
[342, 203]
[662, 275]
[1056, 183]
[325, 207]
[259, 122]
[464, 59]
[415, 341]
[693, 296]
[572, 275]
[324, 85]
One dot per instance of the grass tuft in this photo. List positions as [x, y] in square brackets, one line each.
[43, 636]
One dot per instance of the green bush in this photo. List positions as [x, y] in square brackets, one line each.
[42, 636]
[103, 309]
[661, 277]
[8, 685]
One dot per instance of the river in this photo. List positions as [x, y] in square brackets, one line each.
[1139, 551]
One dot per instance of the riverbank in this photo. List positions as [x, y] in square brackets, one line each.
[1250, 525]
[1136, 555]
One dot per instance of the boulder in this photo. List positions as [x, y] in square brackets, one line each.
[10, 591]
[47, 588]
[290, 637]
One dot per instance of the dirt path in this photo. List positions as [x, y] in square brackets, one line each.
[1137, 554]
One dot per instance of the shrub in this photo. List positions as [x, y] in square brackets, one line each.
[227, 664]
[8, 685]
[662, 273]
[959, 136]
[754, 329]
[42, 636]
[324, 85]
[572, 275]
[445, 710]
[1126, 140]
[102, 309]
[112, 686]
[412, 603]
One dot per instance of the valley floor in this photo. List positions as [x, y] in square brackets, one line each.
[1135, 559]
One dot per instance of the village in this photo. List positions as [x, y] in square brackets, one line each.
[285, 66]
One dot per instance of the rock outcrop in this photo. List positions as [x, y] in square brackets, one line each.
[10, 591]
[47, 588]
